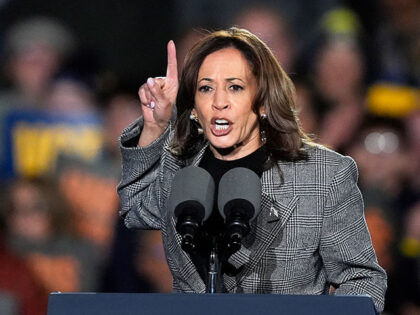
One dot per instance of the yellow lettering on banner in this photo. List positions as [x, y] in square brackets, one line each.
[28, 145]
[46, 152]
[62, 138]
[37, 146]
[84, 142]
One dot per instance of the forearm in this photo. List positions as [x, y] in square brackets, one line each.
[139, 181]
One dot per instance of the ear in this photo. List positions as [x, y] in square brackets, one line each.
[194, 112]
[261, 110]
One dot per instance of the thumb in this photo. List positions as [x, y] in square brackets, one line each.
[172, 68]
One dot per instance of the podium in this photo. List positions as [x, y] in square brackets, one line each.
[214, 304]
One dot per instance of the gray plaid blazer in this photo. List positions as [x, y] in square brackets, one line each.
[310, 234]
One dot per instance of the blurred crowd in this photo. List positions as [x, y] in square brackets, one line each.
[356, 68]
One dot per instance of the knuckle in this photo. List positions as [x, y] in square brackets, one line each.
[142, 88]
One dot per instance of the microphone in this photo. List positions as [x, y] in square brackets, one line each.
[239, 202]
[191, 202]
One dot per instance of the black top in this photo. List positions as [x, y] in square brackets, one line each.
[211, 233]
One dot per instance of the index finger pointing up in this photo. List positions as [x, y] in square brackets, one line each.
[172, 69]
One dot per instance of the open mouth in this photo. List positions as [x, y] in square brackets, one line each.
[221, 126]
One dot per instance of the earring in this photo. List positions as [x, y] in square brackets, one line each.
[199, 129]
[194, 118]
[263, 136]
[263, 116]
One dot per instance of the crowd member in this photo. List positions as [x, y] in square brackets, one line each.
[339, 99]
[70, 95]
[382, 151]
[34, 110]
[38, 230]
[34, 51]
[273, 29]
[235, 107]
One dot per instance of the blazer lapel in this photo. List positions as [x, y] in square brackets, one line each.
[277, 204]
[187, 270]
[197, 158]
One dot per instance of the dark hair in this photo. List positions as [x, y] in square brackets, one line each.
[275, 93]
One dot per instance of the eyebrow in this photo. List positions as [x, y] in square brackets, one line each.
[228, 79]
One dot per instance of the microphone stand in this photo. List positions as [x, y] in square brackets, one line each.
[213, 272]
[213, 282]
[237, 229]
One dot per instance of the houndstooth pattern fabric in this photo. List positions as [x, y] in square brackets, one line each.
[311, 232]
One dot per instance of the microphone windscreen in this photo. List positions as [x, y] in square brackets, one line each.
[240, 186]
[191, 186]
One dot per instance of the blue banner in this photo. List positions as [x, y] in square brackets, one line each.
[33, 140]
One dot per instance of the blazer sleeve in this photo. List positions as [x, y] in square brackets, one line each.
[139, 186]
[346, 247]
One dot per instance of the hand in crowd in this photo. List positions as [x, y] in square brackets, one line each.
[157, 97]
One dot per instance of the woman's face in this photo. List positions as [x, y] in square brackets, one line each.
[226, 88]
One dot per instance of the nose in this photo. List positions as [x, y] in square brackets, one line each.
[220, 100]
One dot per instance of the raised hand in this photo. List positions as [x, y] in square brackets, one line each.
[157, 97]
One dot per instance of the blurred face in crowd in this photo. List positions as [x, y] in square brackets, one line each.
[272, 29]
[33, 68]
[339, 70]
[226, 89]
[30, 214]
[70, 96]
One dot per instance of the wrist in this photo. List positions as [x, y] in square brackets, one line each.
[155, 127]
[151, 132]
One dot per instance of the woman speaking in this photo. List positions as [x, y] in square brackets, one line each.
[235, 107]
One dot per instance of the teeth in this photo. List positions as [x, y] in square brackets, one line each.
[221, 127]
[221, 124]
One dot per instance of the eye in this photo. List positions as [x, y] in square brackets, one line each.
[236, 87]
[204, 89]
